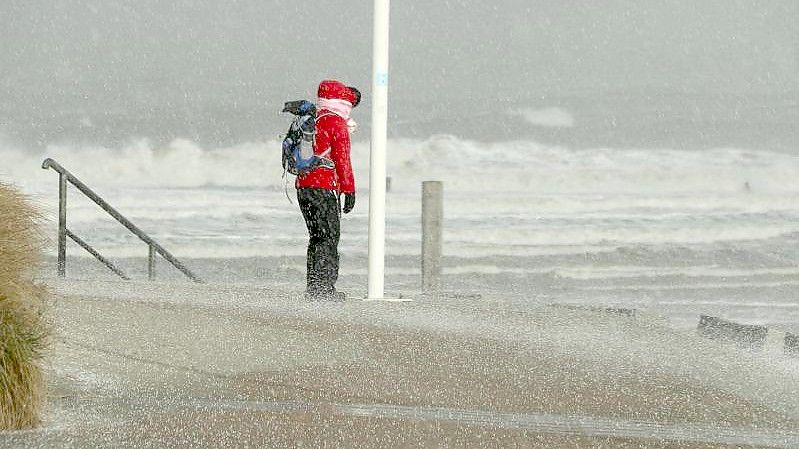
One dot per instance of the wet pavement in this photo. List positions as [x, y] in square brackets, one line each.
[183, 365]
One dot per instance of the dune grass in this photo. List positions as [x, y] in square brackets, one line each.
[23, 333]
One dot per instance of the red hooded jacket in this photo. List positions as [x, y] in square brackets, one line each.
[333, 142]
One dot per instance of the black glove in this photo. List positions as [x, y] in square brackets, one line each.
[349, 202]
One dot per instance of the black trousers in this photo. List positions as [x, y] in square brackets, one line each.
[320, 208]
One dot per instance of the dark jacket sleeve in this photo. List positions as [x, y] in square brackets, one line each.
[340, 153]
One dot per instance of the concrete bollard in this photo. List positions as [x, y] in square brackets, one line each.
[742, 334]
[432, 245]
[775, 341]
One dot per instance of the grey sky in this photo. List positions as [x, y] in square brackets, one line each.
[152, 56]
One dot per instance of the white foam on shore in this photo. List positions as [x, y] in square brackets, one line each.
[514, 198]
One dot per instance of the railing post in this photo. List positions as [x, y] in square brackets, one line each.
[432, 220]
[64, 177]
[151, 263]
[62, 225]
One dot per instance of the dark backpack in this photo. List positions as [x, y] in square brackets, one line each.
[298, 154]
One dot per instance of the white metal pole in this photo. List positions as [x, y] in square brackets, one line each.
[377, 158]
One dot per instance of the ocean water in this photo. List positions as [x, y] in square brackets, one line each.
[674, 232]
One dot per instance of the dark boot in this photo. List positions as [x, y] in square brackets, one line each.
[333, 296]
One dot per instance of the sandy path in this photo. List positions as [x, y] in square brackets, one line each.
[244, 368]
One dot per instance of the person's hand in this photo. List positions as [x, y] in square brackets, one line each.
[349, 202]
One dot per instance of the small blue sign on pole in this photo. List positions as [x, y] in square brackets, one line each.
[381, 79]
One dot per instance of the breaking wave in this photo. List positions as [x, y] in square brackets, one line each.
[465, 165]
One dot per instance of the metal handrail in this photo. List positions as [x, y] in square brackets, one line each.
[65, 176]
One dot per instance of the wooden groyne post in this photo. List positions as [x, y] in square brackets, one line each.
[432, 244]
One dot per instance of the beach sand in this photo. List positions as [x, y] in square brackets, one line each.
[138, 364]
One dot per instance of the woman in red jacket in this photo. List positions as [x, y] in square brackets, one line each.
[319, 190]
